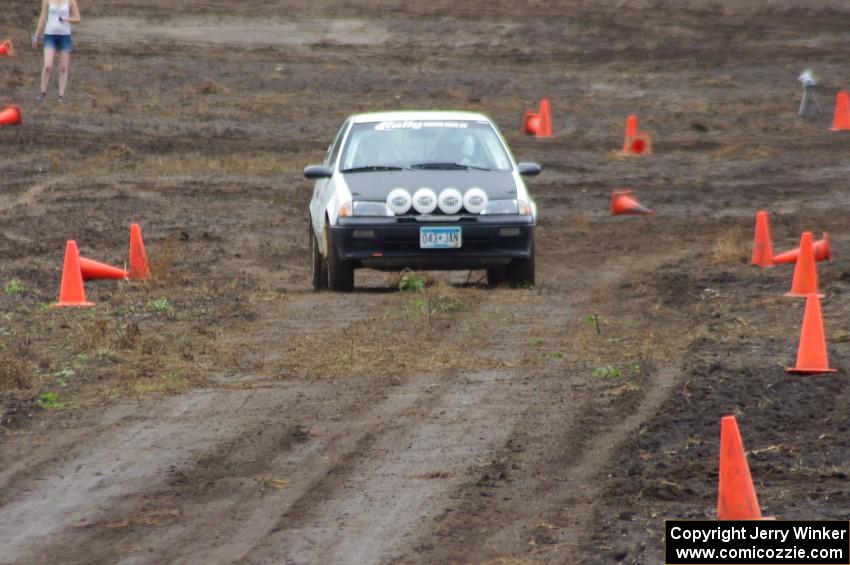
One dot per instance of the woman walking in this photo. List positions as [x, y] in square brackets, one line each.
[55, 24]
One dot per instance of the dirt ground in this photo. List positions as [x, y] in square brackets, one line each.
[225, 413]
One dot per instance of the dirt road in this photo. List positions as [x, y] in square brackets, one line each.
[225, 413]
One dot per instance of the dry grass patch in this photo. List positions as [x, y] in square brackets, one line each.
[730, 247]
[169, 383]
[107, 64]
[121, 159]
[581, 222]
[213, 87]
[419, 334]
[256, 163]
[741, 152]
[16, 368]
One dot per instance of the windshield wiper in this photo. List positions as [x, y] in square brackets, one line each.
[368, 168]
[447, 166]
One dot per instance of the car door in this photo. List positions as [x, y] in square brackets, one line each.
[323, 189]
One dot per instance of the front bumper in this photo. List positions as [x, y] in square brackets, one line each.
[394, 242]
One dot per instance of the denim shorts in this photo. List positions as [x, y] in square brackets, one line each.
[61, 43]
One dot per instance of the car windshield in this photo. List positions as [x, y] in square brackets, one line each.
[424, 144]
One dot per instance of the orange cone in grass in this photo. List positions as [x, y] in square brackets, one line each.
[822, 249]
[841, 118]
[95, 270]
[636, 142]
[11, 116]
[139, 269]
[631, 126]
[72, 292]
[812, 357]
[624, 203]
[805, 280]
[762, 243]
[538, 124]
[6, 48]
[736, 495]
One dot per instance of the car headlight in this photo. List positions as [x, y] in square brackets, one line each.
[365, 208]
[424, 201]
[495, 207]
[475, 200]
[346, 210]
[399, 201]
[500, 207]
[450, 201]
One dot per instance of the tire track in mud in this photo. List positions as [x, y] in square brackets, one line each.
[553, 465]
[130, 486]
[28, 196]
[321, 476]
[127, 459]
[382, 492]
[536, 494]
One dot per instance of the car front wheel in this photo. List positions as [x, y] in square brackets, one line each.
[521, 271]
[340, 273]
[497, 275]
[319, 269]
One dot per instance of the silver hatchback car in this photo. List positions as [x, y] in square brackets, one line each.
[420, 190]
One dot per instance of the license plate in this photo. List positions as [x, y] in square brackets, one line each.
[440, 238]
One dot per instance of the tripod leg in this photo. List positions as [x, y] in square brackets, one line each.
[815, 98]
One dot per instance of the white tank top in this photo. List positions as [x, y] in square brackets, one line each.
[54, 26]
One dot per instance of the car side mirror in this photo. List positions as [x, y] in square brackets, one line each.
[318, 172]
[529, 169]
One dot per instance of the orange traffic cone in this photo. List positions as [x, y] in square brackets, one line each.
[72, 292]
[139, 269]
[805, 271]
[6, 48]
[736, 495]
[538, 124]
[623, 203]
[636, 142]
[822, 249]
[631, 127]
[841, 118]
[95, 270]
[811, 352]
[11, 116]
[762, 242]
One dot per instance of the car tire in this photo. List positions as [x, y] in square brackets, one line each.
[497, 276]
[521, 271]
[319, 268]
[340, 273]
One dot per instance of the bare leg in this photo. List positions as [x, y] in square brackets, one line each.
[64, 61]
[48, 66]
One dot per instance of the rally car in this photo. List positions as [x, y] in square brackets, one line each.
[420, 190]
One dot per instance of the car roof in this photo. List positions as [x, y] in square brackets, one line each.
[419, 115]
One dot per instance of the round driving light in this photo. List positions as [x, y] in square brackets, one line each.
[424, 201]
[399, 201]
[450, 201]
[475, 200]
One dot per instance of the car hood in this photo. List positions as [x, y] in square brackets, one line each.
[376, 186]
